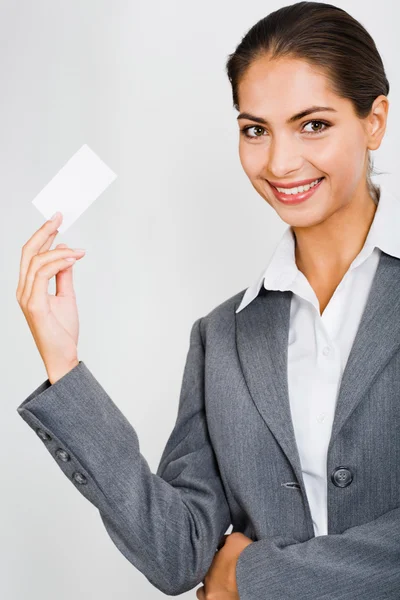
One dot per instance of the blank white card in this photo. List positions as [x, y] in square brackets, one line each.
[73, 189]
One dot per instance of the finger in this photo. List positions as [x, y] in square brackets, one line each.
[41, 260]
[33, 246]
[200, 593]
[64, 279]
[48, 243]
[38, 299]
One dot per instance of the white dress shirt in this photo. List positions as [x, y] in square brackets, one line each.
[318, 346]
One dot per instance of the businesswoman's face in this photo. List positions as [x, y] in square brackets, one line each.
[330, 143]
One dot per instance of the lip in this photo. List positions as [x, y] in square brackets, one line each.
[296, 198]
[293, 183]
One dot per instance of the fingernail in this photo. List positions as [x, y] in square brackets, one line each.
[54, 217]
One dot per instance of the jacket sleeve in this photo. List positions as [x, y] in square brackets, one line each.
[363, 562]
[167, 524]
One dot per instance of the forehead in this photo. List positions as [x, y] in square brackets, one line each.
[283, 87]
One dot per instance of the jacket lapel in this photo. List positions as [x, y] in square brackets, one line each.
[376, 340]
[262, 330]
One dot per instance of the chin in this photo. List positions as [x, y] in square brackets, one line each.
[305, 219]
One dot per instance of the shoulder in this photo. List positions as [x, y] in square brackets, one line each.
[222, 317]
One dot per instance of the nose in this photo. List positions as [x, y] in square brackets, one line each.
[284, 157]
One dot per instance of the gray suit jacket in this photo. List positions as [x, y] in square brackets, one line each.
[232, 459]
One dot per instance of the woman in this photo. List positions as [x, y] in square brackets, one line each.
[289, 413]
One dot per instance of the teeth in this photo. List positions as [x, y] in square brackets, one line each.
[298, 190]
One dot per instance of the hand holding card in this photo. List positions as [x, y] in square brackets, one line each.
[53, 320]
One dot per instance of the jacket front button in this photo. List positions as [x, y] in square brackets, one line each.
[79, 478]
[43, 435]
[342, 477]
[62, 455]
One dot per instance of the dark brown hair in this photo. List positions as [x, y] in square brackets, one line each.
[327, 37]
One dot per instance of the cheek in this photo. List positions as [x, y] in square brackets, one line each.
[342, 159]
[252, 159]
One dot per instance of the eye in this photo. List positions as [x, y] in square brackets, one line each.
[244, 131]
[324, 123]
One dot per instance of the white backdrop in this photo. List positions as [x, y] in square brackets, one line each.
[180, 230]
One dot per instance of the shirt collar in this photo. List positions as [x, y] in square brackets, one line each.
[282, 270]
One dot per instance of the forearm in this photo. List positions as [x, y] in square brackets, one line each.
[361, 563]
[167, 524]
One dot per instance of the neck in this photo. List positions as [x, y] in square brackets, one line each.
[326, 250]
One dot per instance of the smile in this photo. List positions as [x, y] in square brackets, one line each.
[297, 194]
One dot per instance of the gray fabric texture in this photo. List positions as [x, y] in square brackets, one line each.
[232, 458]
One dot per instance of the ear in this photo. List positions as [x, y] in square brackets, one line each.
[376, 122]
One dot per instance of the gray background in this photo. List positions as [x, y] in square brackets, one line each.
[179, 231]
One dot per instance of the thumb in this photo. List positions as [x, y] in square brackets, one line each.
[64, 279]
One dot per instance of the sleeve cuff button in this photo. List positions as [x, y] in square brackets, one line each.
[79, 478]
[43, 435]
[62, 455]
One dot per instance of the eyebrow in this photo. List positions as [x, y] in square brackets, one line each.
[296, 117]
